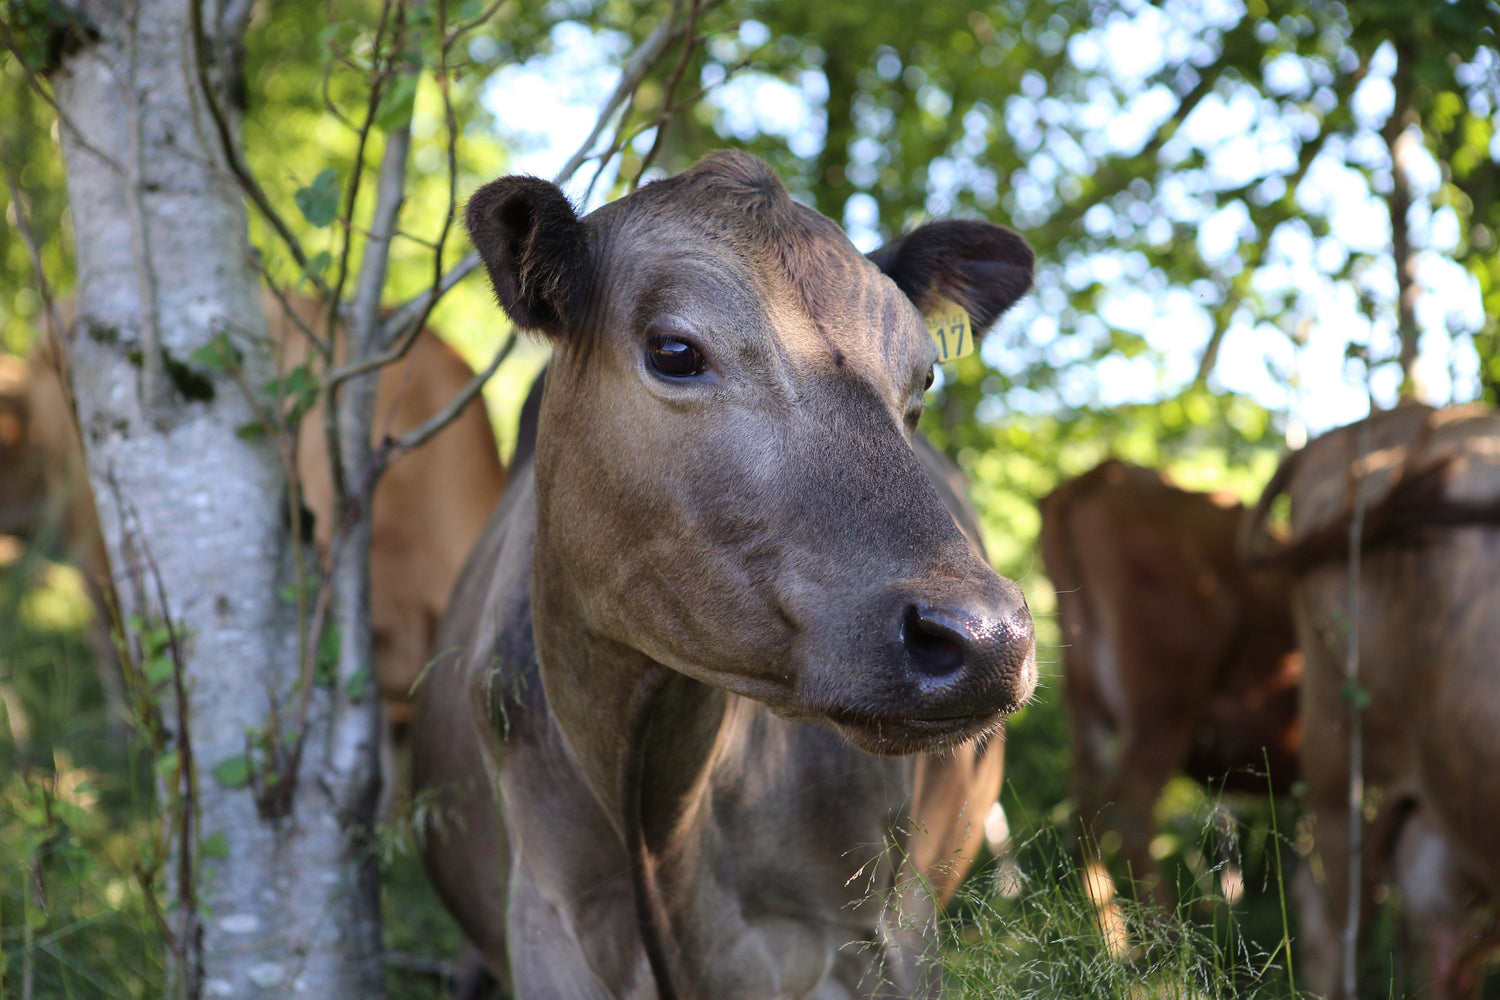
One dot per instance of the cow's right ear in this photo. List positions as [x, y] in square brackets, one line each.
[983, 267]
[533, 246]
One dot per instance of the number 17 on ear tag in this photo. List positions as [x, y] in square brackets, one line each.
[948, 322]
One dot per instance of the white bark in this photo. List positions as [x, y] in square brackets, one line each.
[194, 517]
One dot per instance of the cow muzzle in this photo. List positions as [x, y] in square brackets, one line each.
[942, 669]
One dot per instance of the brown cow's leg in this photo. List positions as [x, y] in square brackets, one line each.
[1123, 805]
[1317, 957]
[1089, 731]
[1323, 895]
[1435, 896]
[1126, 803]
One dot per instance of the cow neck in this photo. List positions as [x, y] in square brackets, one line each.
[645, 738]
[677, 726]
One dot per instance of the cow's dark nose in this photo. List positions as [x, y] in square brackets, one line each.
[935, 641]
[968, 661]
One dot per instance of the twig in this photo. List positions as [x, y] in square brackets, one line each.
[230, 149]
[450, 119]
[407, 316]
[34, 256]
[153, 366]
[1356, 797]
[390, 195]
[622, 138]
[419, 435]
[634, 73]
[463, 29]
[66, 124]
[331, 408]
[689, 43]
[186, 937]
[323, 345]
[351, 193]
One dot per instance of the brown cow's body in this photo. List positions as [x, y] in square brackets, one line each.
[428, 509]
[1429, 658]
[1175, 657]
[429, 506]
[695, 571]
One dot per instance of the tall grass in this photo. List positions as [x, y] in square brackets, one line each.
[75, 803]
[1026, 928]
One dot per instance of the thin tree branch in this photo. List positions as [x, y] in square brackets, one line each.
[407, 316]
[622, 138]
[341, 492]
[1356, 786]
[390, 195]
[34, 256]
[468, 26]
[322, 345]
[689, 43]
[351, 193]
[641, 62]
[419, 435]
[1401, 144]
[154, 387]
[231, 150]
[402, 321]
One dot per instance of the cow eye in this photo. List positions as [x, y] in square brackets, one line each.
[931, 374]
[675, 358]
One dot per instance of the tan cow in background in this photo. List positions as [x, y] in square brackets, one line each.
[428, 509]
[1426, 612]
[1176, 658]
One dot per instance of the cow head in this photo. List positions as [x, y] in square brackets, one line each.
[725, 478]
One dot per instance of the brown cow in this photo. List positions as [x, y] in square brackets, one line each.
[723, 540]
[1176, 658]
[1427, 614]
[23, 484]
[428, 509]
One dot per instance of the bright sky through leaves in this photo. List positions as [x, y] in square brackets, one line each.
[548, 104]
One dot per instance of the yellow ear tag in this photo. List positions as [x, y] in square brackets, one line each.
[948, 322]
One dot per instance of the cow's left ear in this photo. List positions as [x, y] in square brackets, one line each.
[533, 246]
[983, 267]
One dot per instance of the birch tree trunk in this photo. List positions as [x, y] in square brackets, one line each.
[282, 903]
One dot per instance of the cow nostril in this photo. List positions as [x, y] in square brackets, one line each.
[936, 649]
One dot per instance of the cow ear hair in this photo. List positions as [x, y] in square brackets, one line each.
[532, 244]
[983, 267]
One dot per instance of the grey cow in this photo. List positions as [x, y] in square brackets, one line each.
[718, 603]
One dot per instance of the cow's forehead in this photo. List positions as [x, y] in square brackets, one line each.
[731, 215]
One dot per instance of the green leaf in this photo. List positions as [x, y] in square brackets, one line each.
[253, 431]
[233, 772]
[157, 669]
[1355, 694]
[319, 201]
[218, 355]
[166, 765]
[358, 684]
[326, 666]
[215, 845]
[396, 103]
[317, 264]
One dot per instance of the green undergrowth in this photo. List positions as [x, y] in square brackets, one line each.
[81, 884]
[1023, 927]
[76, 840]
